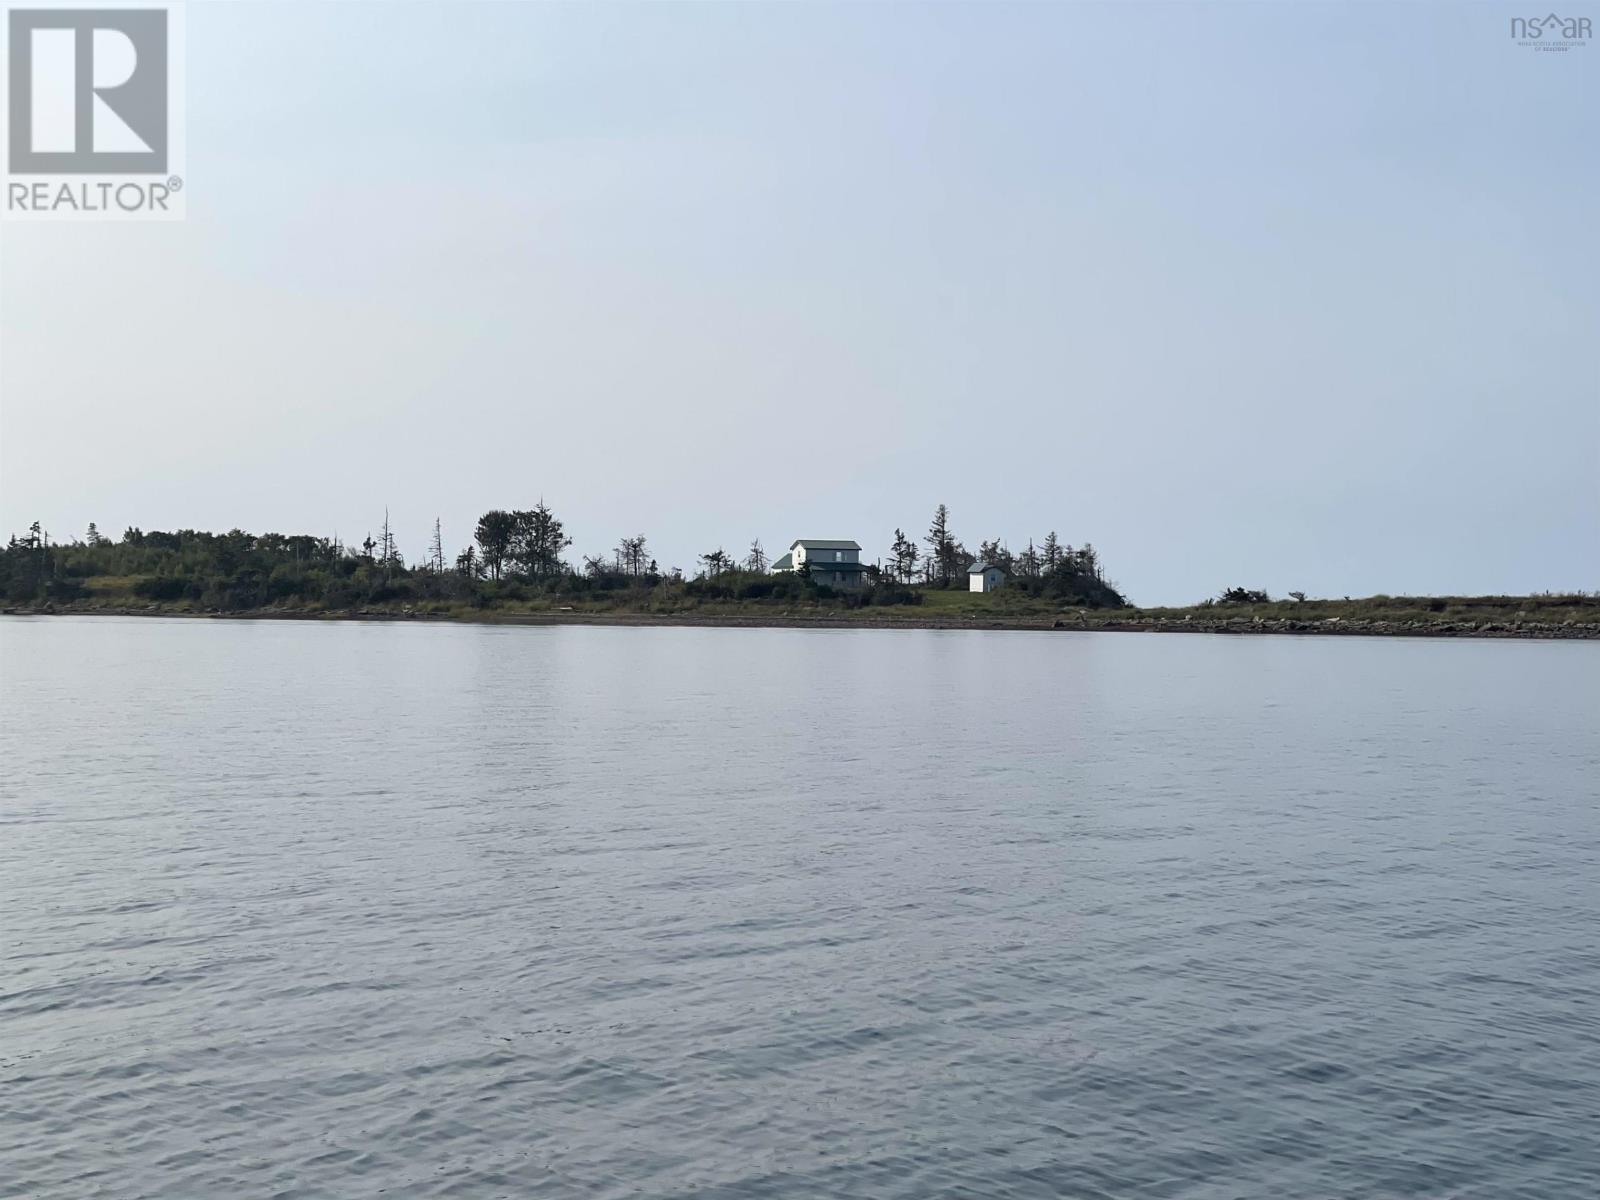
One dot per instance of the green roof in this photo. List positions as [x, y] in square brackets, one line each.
[823, 544]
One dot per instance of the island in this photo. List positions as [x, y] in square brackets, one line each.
[516, 571]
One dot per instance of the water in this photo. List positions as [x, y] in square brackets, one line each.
[347, 910]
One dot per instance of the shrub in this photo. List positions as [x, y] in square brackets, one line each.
[161, 587]
[893, 593]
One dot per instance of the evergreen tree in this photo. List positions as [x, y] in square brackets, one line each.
[944, 553]
[537, 540]
[1052, 554]
[1028, 562]
[996, 555]
[903, 555]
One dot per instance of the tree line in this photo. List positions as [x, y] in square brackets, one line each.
[513, 552]
[1048, 567]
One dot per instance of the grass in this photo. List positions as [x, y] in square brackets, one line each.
[1580, 608]
[959, 607]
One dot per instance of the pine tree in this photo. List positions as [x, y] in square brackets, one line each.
[943, 552]
[1052, 553]
[538, 540]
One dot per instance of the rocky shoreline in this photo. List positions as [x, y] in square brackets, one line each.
[1083, 622]
[1357, 627]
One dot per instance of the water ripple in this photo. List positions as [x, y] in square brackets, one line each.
[348, 911]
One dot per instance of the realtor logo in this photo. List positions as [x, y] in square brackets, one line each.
[1551, 32]
[88, 91]
[93, 111]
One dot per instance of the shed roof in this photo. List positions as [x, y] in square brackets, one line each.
[783, 564]
[823, 544]
[979, 568]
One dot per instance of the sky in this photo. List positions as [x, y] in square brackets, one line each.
[1293, 296]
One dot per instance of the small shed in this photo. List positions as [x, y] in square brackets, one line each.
[985, 577]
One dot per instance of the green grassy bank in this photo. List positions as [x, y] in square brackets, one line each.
[1542, 616]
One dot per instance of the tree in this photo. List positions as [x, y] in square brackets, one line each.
[93, 537]
[631, 555]
[943, 552]
[1028, 562]
[996, 555]
[715, 563]
[29, 578]
[1088, 562]
[903, 557]
[495, 530]
[757, 560]
[1051, 554]
[1239, 595]
[959, 559]
[391, 554]
[436, 550]
[467, 563]
[537, 541]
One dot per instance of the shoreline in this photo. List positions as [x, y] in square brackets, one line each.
[1073, 623]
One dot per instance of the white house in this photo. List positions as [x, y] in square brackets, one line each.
[985, 577]
[834, 563]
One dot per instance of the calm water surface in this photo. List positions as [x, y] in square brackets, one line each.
[345, 910]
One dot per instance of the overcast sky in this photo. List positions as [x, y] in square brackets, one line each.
[1285, 296]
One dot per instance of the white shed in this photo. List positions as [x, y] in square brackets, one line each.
[985, 577]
